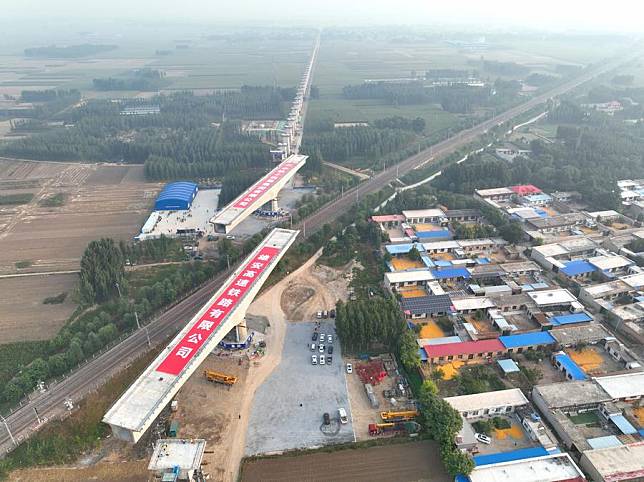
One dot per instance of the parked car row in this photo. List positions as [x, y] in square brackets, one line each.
[322, 348]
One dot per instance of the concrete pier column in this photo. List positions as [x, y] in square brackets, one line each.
[274, 205]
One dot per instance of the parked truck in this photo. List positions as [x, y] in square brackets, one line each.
[217, 377]
[173, 428]
[401, 416]
[391, 428]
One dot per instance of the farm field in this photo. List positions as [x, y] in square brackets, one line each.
[390, 463]
[100, 201]
[24, 317]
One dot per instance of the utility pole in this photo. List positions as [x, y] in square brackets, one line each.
[118, 289]
[304, 229]
[147, 334]
[6, 425]
[37, 416]
[228, 261]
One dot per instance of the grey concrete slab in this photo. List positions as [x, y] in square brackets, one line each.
[277, 421]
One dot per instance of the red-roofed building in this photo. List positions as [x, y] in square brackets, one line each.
[389, 219]
[525, 189]
[466, 350]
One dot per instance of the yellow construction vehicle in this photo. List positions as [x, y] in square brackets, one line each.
[217, 377]
[399, 416]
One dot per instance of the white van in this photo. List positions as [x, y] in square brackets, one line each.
[343, 415]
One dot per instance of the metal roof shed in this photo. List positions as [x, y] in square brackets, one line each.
[527, 339]
[176, 196]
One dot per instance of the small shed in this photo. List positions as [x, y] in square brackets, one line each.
[508, 366]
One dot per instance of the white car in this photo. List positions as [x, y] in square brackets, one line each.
[322, 360]
[349, 368]
[481, 437]
[312, 346]
[314, 360]
[322, 337]
[319, 315]
[343, 415]
[329, 339]
[321, 348]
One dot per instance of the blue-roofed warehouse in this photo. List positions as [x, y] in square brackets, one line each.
[176, 196]
[524, 341]
[569, 367]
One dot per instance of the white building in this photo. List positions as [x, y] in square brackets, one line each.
[488, 403]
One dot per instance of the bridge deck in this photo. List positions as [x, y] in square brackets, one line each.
[139, 406]
[258, 194]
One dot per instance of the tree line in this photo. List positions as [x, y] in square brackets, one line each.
[70, 52]
[590, 159]
[460, 99]
[102, 267]
[341, 145]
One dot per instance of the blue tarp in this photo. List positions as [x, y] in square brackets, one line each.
[575, 268]
[572, 318]
[623, 425]
[604, 442]
[461, 478]
[451, 273]
[570, 367]
[527, 453]
[541, 213]
[527, 339]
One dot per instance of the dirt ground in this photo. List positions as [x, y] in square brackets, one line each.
[122, 471]
[315, 289]
[24, 317]
[101, 200]
[210, 410]
[392, 463]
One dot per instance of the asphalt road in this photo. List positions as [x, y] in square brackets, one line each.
[23, 422]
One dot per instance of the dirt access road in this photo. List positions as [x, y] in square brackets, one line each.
[406, 462]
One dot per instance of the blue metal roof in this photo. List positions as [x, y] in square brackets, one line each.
[451, 273]
[580, 266]
[427, 261]
[604, 442]
[423, 354]
[398, 248]
[623, 425]
[572, 318]
[508, 366]
[520, 454]
[438, 234]
[570, 367]
[175, 196]
[527, 339]
[442, 264]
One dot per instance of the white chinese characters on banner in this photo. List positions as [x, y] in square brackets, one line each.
[215, 314]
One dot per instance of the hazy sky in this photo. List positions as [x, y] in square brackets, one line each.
[616, 15]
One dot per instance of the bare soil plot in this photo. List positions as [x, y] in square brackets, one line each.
[24, 317]
[211, 411]
[418, 461]
[123, 471]
[101, 201]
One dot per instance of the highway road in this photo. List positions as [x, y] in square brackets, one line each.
[50, 404]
